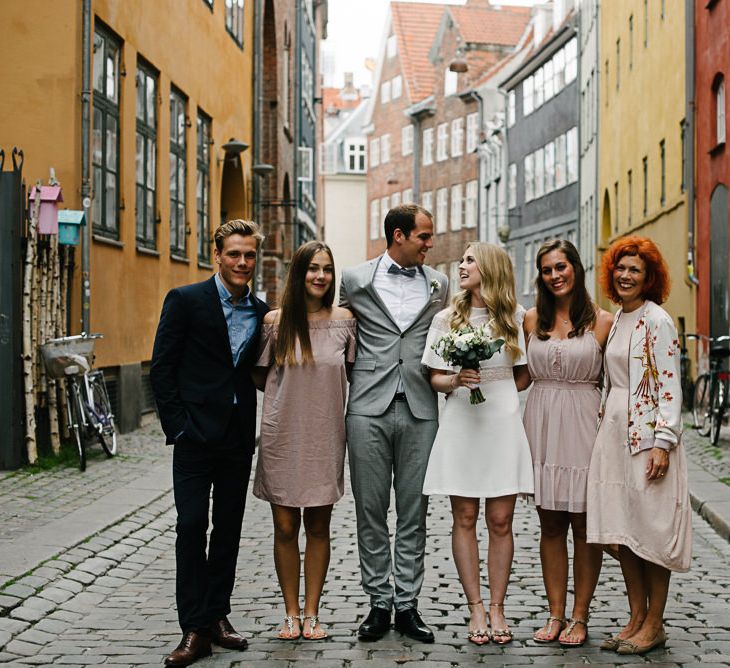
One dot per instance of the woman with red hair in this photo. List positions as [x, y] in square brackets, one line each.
[638, 497]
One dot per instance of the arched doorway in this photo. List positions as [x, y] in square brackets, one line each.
[719, 261]
[233, 194]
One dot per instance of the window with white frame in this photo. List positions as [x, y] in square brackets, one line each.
[456, 206]
[539, 87]
[539, 168]
[571, 147]
[470, 204]
[549, 80]
[527, 268]
[454, 277]
[549, 167]
[427, 201]
[442, 210]
[395, 200]
[306, 163]
[385, 92]
[396, 87]
[451, 82]
[571, 60]
[374, 219]
[408, 196]
[559, 71]
[457, 137]
[328, 158]
[560, 162]
[384, 206]
[512, 186]
[355, 156]
[720, 119]
[406, 139]
[511, 109]
[375, 152]
[472, 132]
[307, 84]
[234, 20]
[391, 47]
[529, 177]
[528, 86]
[385, 149]
[442, 140]
[428, 146]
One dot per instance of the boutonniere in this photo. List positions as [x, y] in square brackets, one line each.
[435, 285]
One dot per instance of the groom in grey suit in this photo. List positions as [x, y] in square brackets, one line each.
[392, 416]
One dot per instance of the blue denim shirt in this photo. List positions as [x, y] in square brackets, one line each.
[241, 319]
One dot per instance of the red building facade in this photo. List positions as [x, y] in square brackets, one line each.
[712, 169]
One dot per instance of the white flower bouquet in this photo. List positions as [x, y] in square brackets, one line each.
[466, 348]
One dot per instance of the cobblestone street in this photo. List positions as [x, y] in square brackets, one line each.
[109, 598]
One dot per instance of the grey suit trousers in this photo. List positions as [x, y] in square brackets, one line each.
[394, 446]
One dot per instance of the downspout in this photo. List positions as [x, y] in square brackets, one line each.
[257, 107]
[480, 182]
[85, 171]
[416, 121]
[689, 133]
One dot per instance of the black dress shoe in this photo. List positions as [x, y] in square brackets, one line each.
[193, 646]
[224, 635]
[376, 624]
[409, 623]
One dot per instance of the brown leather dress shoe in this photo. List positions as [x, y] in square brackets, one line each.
[192, 647]
[224, 635]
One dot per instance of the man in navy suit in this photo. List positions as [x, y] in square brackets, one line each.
[205, 348]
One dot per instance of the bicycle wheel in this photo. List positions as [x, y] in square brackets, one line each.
[103, 416]
[718, 408]
[701, 402]
[76, 420]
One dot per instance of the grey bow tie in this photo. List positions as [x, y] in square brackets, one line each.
[395, 269]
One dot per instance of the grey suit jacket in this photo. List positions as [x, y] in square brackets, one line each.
[384, 353]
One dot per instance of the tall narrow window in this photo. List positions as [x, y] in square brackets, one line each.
[355, 156]
[470, 204]
[406, 139]
[428, 146]
[234, 20]
[539, 169]
[720, 119]
[560, 162]
[631, 41]
[442, 210]
[442, 142]
[457, 137]
[571, 149]
[618, 64]
[549, 167]
[427, 201]
[385, 149]
[105, 135]
[527, 97]
[571, 60]
[456, 206]
[146, 157]
[202, 187]
[629, 196]
[178, 172]
[512, 186]
[511, 109]
[472, 132]
[375, 152]
[663, 163]
[645, 195]
[374, 219]
[683, 139]
[529, 177]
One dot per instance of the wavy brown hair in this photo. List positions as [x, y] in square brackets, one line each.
[582, 308]
[498, 292]
[293, 320]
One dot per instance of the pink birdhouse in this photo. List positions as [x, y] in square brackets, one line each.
[48, 219]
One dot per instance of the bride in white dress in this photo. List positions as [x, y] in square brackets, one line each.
[481, 450]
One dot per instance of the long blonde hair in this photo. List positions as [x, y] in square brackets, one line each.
[498, 292]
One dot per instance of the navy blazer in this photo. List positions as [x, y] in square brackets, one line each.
[192, 372]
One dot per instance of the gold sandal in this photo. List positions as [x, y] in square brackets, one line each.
[569, 629]
[501, 633]
[549, 625]
[313, 623]
[478, 636]
[288, 627]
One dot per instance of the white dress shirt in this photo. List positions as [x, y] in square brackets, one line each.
[403, 296]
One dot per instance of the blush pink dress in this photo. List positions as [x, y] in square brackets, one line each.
[561, 417]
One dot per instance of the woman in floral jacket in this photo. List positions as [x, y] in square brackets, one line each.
[638, 497]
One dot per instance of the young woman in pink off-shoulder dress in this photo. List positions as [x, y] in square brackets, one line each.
[565, 334]
[307, 347]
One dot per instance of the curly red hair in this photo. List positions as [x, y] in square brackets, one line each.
[657, 284]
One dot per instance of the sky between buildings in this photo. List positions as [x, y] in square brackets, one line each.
[354, 33]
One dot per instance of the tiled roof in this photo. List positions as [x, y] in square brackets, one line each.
[485, 25]
[332, 99]
[505, 62]
[415, 25]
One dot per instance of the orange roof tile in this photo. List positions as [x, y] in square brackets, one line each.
[332, 99]
[485, 25]
[415, 25]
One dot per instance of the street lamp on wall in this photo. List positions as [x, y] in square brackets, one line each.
[232, 149]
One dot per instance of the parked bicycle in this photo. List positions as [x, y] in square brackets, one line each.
[88, 409]
[711, 393]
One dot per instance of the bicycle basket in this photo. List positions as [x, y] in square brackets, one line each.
[68, 356]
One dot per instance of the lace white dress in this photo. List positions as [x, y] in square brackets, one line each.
[481, 450]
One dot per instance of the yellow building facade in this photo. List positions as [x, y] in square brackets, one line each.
[643, 141]
[171, 85]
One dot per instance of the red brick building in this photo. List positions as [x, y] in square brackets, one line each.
[426, 120]
[712, 169]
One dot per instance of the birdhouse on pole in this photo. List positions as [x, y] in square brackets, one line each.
[48, 218]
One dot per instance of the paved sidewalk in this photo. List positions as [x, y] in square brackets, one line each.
[96, 556]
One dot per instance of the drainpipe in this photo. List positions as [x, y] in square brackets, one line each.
[257, 107]
[689, 133]
[85, 180]
[416, 122]
[480, 182]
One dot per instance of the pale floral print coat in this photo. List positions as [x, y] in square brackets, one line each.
[655, 391]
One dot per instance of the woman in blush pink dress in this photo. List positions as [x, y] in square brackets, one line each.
[565, 334]
[306, 348]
